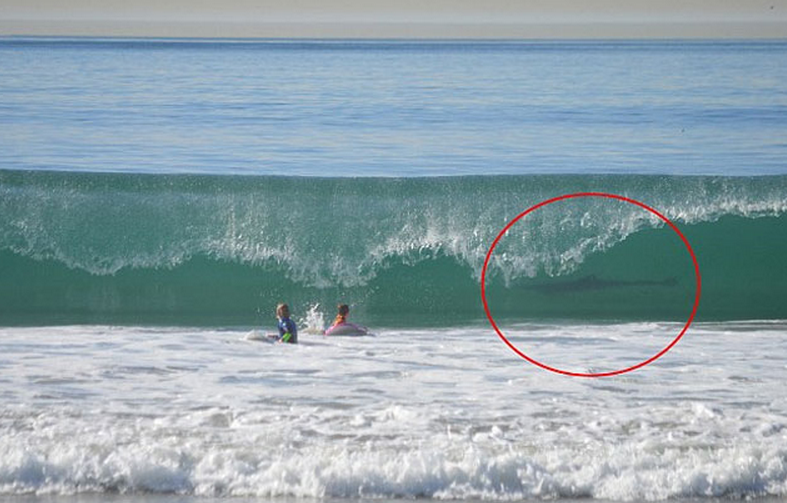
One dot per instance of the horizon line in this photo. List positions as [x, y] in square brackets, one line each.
[398, 30]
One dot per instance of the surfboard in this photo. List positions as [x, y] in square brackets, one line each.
[260, 336]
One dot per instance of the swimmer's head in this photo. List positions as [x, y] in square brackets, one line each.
[283, 311]
[344, 309]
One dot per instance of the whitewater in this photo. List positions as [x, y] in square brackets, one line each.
[444, 413]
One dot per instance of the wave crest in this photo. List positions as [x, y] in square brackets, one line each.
[343, 231]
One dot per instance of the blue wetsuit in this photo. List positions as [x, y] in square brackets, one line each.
[287, 326]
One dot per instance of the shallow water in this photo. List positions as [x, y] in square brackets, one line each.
[437, 413]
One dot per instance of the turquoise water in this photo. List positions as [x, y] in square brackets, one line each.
[206, 249]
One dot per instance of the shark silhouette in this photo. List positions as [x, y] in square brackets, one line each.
[593, 282]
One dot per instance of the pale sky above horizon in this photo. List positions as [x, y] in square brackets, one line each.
[398, 18]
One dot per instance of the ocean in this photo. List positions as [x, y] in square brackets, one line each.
[159, 197]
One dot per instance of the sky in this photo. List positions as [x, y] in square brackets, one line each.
[398, 18]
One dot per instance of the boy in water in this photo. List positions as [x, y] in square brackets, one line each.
[344, 310]
[288, 331]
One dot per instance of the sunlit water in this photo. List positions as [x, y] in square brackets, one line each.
[168, 414]
[348, 108]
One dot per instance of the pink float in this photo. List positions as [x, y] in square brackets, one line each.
[347, 328]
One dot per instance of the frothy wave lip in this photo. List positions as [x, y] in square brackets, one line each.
[343, 232]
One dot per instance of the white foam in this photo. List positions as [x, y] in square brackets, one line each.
[314, 321]
[443, 414]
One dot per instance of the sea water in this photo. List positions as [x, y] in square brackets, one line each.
[393, 108]
[159, 197]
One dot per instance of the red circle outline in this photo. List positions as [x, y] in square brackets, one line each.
[591, 374]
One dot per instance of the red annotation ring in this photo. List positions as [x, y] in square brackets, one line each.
[592, 374]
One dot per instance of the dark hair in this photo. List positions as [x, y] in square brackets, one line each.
[343, 309]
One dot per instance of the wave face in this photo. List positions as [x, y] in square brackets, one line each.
[93, 247]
